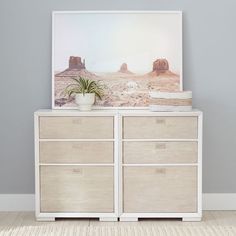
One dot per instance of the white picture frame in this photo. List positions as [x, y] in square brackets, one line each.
[55, 14]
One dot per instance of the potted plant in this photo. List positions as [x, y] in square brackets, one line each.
[85, 91]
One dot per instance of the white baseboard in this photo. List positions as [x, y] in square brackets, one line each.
[17, 202]
[219, 201]
[25, 202]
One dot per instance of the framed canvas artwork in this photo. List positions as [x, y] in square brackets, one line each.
[130, 52]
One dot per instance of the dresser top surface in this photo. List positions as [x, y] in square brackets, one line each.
[111, 112]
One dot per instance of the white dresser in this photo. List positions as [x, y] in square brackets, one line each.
[125, 164]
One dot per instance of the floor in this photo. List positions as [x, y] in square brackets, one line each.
[213, 223]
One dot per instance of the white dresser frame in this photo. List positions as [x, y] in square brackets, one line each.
[50, 216]
[185, 216]
[118, 165]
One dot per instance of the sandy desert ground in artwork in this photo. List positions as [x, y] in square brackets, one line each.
[122, 88]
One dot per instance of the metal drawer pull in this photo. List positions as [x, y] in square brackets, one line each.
[160, 171]
[77, 146]
[160, 146]
[77, 121]
[160, 121]
[77, 170]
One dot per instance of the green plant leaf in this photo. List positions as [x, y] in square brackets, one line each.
[83, 85]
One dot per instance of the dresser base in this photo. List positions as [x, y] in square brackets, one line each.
[128, 219]
[122, 219]
[46, 219]
[184, 219]
[107, 219]
[191, 219]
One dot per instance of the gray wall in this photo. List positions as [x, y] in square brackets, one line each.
[25, 85]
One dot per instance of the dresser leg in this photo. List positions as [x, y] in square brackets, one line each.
[189, 219]
[108, 219]
[45, 218]
[128, 219]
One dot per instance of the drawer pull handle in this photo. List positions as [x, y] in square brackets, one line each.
[160, 146]
[77, 170]
[160, 121]
[77, 146]
[77, 121]
[160, 171]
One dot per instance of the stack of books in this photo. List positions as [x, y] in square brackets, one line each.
[170, 101]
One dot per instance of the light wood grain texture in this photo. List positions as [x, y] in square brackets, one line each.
[159, 152]
[160, 127]
[73, 189]
[76, 127]
[160, 189]
[76, 152]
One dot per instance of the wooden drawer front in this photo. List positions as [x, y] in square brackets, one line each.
[76, 152]
[160, 189]
[76, 127]
[159, 152]
[160, 127]
[76, 189]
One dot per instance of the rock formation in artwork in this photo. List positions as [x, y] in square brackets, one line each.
[76, 68]
[161, 67]
[76, 63]
[124, 69]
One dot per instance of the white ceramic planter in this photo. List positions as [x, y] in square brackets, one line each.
[85, 101]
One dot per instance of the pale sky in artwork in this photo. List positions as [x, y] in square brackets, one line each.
[106, 41]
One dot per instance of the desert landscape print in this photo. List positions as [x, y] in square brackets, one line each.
[130, 54]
